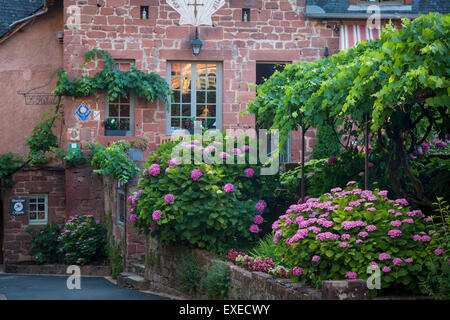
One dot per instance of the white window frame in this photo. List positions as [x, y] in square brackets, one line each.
[36, 222]
[219, 91]
[130, 133]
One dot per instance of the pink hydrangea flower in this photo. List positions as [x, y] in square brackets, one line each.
[408, 221]
[343, 244]
[397, 261]
[223, 155]
[416, 237]
[168, 170]
[249, 172]
[153, 226]
[246, 148]
[358, 241]
[236, 151]
[351, 275]
[260, 206]
[394, 233]
[254, 228]
[374, 264]
[438, 251]
[426, 239]
[154, 169]
[371, 227]
[297, 271]
[332, 160]
[133, 218]
[173, 162]
[396, 223]
[408, 260]
[156, 215]
[391, 210]
[383, 193]
[384, 256]
[371, 209]
[336, 189]
[310, 175]
[345, 236]
[386, 269]
[315, 258]
[228, 187]
[363, 234]
[195, 174]
[258, 219]
[350, 183]
[169, 198]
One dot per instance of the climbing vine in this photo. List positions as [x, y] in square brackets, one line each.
[114, 81]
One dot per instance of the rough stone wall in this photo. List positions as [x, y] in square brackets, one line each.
[278, 32]
[15, 239]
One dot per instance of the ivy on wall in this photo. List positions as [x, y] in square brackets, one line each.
[114, 81]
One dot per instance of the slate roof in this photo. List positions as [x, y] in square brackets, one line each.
[342, 9]
[13, 10]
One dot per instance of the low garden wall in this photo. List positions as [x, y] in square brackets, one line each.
[164, 264]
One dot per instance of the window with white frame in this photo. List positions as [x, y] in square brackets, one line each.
[197, 95]
[121, 110]
[38, 209]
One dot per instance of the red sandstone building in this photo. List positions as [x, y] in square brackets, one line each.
[242, 45]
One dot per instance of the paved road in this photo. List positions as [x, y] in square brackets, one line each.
[42, 287]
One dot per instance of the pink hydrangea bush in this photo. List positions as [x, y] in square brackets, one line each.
[330, 242]
[197, 204]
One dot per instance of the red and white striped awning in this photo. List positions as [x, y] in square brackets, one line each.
[350, 34]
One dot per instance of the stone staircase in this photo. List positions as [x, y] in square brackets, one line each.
[134, 279]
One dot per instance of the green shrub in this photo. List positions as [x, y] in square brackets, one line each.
[114, 252]
[190, 274]
[326, 144]
[9, 163]
[113, 161]
[217, 282]
[83, 240]
[73, 158]
[348, 230]
[203, 214]
[45, 244]
[267, 248]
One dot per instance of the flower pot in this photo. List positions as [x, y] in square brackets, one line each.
[111, 132]
[136, 154]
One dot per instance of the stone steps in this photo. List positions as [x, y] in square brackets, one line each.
[138, 268]
[132, 280]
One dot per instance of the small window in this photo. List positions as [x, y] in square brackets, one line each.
[144, 12]
[38, 209]
[121, 206]
[246, 14]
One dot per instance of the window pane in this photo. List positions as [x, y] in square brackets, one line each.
[201, 111]
[124, 99]
[210, 123]
[41, 207]
[211, 111]
[125, 111]
[186, 70]
[186, 96]
[41, 215]
[211, 96]
[212, 82]
[201, 96]
[175, 83]
[186, 110]
[175, 69]
[113, 110]
[176, 96]
[175, 110]
[186, 83]
[33, 206]
[32, 215]
[175, 123]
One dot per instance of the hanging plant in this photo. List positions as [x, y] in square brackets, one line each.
[115, 82]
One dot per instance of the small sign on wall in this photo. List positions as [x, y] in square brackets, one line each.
[18, 207]
[73, 134]
[74, 146]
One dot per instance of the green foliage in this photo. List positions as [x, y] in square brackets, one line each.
[113, 161]
[73, 158]
[190, 274]
[114, 252]
[83, 240]
[327, 143]
[217, 282]
[45, 244]
[267, 248]
[437, 283]
[9, 163]
[400, 81]
[350, 212]
[203, 214]
[115, 82]
[140, 143]
[42, 139]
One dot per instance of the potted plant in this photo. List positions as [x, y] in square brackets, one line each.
[114, 127]
[137, 148]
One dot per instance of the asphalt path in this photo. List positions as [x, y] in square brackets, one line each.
[48, 287]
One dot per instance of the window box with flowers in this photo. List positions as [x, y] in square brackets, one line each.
[115, 127]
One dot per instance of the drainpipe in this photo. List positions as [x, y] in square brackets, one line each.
[37, 14]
